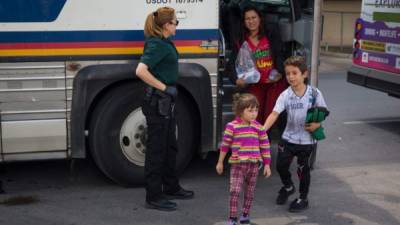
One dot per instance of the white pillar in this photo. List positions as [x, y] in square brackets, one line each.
[316, 42]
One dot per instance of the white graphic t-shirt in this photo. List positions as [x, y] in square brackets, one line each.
[296, 108]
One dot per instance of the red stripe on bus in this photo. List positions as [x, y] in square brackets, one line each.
[56, 45]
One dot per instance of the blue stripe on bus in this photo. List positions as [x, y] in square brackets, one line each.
[89, 36]
[18, 11]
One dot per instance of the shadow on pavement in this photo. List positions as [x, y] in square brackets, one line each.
[393, 127]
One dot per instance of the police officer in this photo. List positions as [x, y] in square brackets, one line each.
[158, 68]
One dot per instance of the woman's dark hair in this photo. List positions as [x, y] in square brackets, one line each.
[244, 101]
[261, 30]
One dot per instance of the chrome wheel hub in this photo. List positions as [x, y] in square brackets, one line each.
[133, 137]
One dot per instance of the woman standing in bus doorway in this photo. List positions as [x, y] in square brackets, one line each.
[158, 68]
[265, 46]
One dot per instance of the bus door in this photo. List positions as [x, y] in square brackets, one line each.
[292, 19]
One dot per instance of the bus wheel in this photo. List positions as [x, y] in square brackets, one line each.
[187, 132]
[117, 135]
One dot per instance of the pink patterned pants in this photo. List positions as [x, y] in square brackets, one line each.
[242, 173]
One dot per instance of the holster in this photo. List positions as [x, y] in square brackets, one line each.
[164, 103]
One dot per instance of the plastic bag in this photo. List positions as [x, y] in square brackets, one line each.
[245, 65]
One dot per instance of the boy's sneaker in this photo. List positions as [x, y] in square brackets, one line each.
[298, 205]
[231, 222]
[244, 220]
[284, 195]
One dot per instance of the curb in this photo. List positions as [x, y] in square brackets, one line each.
[336, 54]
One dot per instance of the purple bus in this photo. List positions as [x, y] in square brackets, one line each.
[376, 48]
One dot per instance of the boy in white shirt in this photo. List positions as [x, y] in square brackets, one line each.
[296, 139]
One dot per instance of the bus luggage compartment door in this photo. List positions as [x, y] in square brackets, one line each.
[33, 110]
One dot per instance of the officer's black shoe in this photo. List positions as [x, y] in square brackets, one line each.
[284, 195]
[161, 204]
[180, 194]
[298, 205]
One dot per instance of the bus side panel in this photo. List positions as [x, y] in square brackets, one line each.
[33, 109]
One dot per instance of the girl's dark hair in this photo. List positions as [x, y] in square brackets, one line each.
[244, 101]
[246, 32]
[155, 21]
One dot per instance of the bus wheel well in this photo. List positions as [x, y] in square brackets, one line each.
[100, 95]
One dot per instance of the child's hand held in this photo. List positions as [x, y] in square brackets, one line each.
[267, 171]
[220, 168]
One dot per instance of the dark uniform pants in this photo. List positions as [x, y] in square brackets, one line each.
[161, 150]
[286, 153]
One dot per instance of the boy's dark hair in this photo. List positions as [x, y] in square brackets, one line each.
[297, 61]
[244, 101]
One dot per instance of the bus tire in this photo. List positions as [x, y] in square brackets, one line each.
[188, 132]
[117, 135]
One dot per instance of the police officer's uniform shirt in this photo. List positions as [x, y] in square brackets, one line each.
[161, 57]
[296, 108]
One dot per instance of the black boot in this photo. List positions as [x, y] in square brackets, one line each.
[180, 194]
[161, 204]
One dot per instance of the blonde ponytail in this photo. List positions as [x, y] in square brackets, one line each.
[155, 21]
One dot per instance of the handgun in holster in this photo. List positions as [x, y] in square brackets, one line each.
[163, 102]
